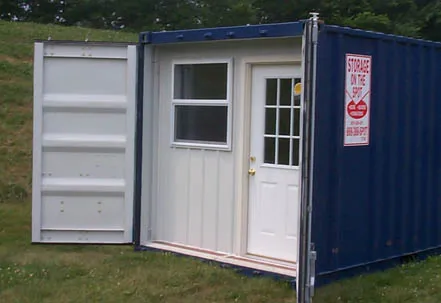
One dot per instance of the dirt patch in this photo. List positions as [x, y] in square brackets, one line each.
[13, 60]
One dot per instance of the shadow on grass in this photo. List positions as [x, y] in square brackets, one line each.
[12, 192]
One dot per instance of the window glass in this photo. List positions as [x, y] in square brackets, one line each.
[201, 123]
[201, 81]
[271, 91]
[283, 157]
[295, 152]
[270, 151]
[297, 97]
[270, 121]
[286, 90]
[284, 121]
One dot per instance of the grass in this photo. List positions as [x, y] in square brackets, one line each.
[51, 273]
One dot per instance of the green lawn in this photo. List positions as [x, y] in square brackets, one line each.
[50, 273]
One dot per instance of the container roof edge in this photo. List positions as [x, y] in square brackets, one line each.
[274, 30]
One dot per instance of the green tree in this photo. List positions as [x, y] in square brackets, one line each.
[90, 13]
[136, 14]
[10, 10]
[214, 13]
[418, 18]
[284, 11]
[431, 25]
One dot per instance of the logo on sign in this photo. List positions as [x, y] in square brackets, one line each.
[357, 110]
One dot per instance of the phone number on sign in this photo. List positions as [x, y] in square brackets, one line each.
[356, 131]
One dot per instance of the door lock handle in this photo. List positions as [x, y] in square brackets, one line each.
[251, 172]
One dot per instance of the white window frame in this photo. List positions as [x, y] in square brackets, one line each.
[196, 102]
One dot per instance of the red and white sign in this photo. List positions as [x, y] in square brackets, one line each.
[357, 99]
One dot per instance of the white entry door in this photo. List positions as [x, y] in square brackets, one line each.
[83, 146]
[274, 175]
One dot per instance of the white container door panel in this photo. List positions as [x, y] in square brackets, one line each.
[83, 149]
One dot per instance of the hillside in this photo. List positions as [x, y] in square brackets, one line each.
[16, 56]
[50, 273]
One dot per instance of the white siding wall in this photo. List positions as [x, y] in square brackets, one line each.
[198, 194]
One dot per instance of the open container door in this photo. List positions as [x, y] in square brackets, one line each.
[307, 256]
[84, 142]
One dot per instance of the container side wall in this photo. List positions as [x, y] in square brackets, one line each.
[199, 193]
[378, 201]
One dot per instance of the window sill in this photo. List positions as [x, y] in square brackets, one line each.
[202, 146]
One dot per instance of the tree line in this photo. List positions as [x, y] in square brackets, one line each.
[415, 18]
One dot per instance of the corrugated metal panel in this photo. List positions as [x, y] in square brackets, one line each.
[380, 201]
[84, 113]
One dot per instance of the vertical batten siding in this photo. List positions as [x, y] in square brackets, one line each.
[225, 215]
[197, 208]
[180, 165]
[196, 194]
[379, 201]
[195, 191]
[211, 193]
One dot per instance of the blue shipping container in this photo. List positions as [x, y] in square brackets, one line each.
[375, 204]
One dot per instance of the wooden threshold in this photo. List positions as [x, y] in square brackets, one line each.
[288, 263]
[266, 265]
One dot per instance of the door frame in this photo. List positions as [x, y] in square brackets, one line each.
[242, 194]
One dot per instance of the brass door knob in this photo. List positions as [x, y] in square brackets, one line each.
[251, 172]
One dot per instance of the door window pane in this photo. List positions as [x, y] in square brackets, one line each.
[286, 90]
[271, 92]
[295, 152]
[283, 152]
[201, 123]
[270, 151]
[296, 122]
[284, 121]
[270, 121]
[297, 97]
